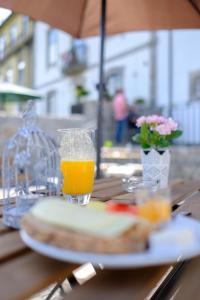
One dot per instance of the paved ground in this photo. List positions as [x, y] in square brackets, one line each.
[119, 161]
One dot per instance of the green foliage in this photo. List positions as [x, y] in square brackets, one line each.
[139, 101]
[149, 138]
[108, 143]
[107, 96]
[80, 92]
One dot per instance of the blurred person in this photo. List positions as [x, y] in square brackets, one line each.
[132, 118]
[120, 108]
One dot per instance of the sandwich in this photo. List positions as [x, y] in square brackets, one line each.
[72, 227]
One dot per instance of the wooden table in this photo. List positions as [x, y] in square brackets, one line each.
[24, 272]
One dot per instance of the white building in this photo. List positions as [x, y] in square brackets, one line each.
[127, 65]
[161, 68]
[49, 44]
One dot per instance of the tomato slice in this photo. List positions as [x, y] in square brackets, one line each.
[121, 208]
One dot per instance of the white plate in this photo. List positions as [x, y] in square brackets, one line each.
[178, 240]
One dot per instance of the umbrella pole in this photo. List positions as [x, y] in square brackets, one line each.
[101, 87]
[170, 73]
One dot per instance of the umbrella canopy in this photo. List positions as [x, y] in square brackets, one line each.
[81, 18]
[12, 92]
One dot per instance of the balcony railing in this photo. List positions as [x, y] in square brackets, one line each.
[13, 46]
[188, 118]
[74, 60]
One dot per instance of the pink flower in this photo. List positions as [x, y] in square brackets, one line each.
[140, 121]
[161, 124]
[164, 129]
[155, 119]
[172, 124]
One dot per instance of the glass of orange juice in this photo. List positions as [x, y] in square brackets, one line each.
[154, 206]
[77, 152]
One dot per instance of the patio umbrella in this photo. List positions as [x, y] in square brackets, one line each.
[12, 92]
[83, 18]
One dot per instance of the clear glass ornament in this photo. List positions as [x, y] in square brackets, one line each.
[31, 168]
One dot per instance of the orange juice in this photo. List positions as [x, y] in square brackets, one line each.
[155, 210]
[78, 177]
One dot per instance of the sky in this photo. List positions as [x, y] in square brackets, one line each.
[4, 13]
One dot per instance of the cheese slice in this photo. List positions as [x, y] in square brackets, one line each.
[90, 221]
[96, 205]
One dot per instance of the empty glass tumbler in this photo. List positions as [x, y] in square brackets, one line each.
[77, 152]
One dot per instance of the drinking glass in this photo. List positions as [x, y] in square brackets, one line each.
[132, 184]
[154, 206]
[77, 152]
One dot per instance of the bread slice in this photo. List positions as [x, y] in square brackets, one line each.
[135, 239]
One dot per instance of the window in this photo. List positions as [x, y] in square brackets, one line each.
[9, 75]
[13, 35]
[25, 24]
[79, 48]
[2, 46]
[114, 81]
[195, 86]
[21, 72]
[51, 102]
[52, 47]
